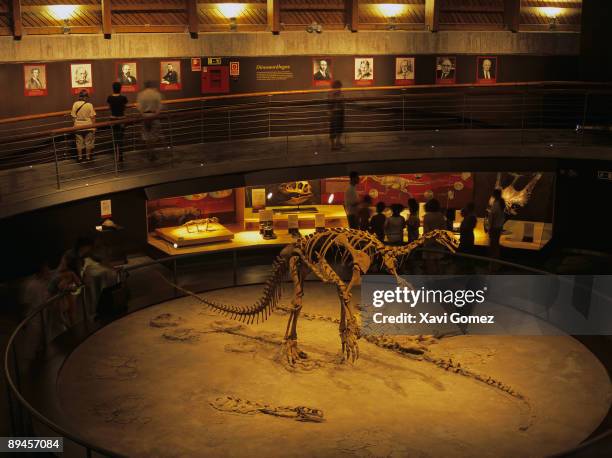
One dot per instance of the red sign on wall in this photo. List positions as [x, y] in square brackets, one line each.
[234, 68]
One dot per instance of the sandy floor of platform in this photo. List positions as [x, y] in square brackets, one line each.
[151, 391]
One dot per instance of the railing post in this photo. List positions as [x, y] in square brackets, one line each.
[584, 116]
[115, 149]
[202, 122]
[174, 276]
[523, 116]
[171, 140]
[269, 117]
[235, 267]
[229, 124]
[57, 175]
[403, 111]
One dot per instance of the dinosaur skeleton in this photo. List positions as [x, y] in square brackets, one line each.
[513, 197]
[313, 253]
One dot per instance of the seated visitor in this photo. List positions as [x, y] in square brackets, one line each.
[413, 222]
[377, 222]
[394, 225]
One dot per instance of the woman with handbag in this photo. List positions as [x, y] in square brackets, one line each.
[84, 114]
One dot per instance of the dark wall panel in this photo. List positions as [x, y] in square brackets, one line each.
[512, 68]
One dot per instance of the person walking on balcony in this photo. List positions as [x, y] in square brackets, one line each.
[84, 114]
[117, 104]
[336, 116]
[149, 104]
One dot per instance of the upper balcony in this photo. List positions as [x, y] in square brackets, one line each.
[512, 125]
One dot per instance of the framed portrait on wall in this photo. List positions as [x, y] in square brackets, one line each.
[486, 70]
[364, 71]
[322, 72]
[404, 71]
[35, 80]
[127, 75]
[446, 69]
[170, 75]
[81, 77]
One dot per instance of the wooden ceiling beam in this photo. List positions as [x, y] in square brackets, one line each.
[192, 18]
[107, 23]
[432, 15]
[352, 14]
[273, 10]
[512, 15]
[16, 24]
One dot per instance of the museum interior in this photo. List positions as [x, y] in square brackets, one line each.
[216, 216]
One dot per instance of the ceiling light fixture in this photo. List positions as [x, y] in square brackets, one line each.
[63, 13]
[231, 11]
[391, 11]
[552, 14]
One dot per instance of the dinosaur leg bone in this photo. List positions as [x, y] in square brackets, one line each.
[349, 329]
[290, 348]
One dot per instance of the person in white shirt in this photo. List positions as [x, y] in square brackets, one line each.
[84, 114]
[351, 201]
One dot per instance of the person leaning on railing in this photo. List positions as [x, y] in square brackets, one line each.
[149, 104]
[84, 114]
[117, 104]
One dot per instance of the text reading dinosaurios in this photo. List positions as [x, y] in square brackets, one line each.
[357, 250]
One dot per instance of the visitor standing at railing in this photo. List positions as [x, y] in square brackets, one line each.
[394, 225]
[84, 114]
[149, 104]
[495, 223]
[466, 230]
[117, 104]
[413, 223]
[351, 201]
[433, 219]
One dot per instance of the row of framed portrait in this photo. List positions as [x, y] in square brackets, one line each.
[82, 77]
[445, 71]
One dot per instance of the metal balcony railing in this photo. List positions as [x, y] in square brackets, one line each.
[38, 152]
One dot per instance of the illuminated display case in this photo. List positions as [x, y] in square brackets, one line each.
[232, 218]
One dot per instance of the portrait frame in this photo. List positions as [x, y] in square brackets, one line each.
[452, 74]
[399, 80]
[170, 79]
[79, 70]
[29, 89]
[320, 81]
[480, 79]
[133, 67]
[365, 76]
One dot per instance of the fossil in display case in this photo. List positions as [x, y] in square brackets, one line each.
[313, 253]
[296, 192]
[200, 225]
[514, 198]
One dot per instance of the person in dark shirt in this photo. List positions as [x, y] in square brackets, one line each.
[466, 230]
[117, 104]
[377, 222]
[363, 215]
[414, 221]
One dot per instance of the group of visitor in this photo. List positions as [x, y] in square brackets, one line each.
[148, 104]
[390, 229]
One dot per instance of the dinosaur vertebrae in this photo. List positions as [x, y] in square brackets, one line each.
[262, 308]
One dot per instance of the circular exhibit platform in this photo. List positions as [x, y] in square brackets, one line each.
[177, 380]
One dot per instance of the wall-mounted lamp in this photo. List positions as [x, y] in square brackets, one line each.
[314, 27]
[63, 13]
[391, 11]
[552, 14]
[231, 11]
